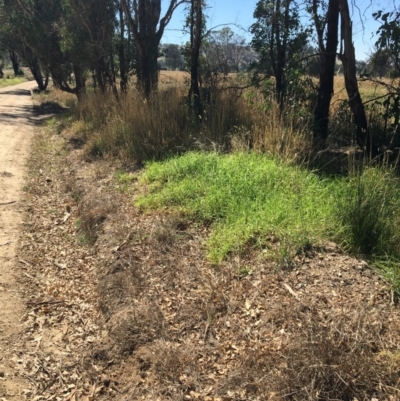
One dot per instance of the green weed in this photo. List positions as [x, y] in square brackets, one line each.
[124, 180]
[244, 271]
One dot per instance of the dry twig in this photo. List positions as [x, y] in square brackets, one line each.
[7, 203]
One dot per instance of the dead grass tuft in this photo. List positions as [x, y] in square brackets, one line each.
[175, 367]
[93, 210]
[137, 324]
[335, 358]
[338, 360]
[123, 282]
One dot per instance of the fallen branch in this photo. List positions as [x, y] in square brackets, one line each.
[7, 203]
[292, 292]
[28, 275]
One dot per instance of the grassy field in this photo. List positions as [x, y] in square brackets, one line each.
[368, 90]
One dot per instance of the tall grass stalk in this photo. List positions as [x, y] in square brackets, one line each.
[368, 212]
[165, 123]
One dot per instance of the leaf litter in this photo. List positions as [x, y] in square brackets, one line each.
[125, 306]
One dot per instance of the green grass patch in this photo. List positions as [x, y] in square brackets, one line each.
[249, 199]
[11, 81]
[252, 200]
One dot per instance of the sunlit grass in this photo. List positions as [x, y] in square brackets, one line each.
[4, 82]
[254, 202]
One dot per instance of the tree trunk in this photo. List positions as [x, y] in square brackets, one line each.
[327, 73]
[147, 29]
[14, 61]
[123, 71]
[34, 67]
[196, 15]
[347, 56]
[80, 84]
[146, 70]
[46, 80]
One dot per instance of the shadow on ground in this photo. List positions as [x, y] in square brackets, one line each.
[33, 115]
[16, 92]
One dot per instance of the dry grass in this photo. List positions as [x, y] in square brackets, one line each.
[133, 129]
[176, 327]
[169, 79]
[368, 90]
[140, 130]
[205, 332]
[94, 207]
[54, 95]
[338, 359]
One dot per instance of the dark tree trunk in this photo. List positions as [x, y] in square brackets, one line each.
[80, 84]
[279, 35]
[347, 56]
[327, 73]
[46, 80]
[99, 78]
[196, 16]
[123, 70]
[147, 69]
[34, 67]
[147, 29]
[14, 61]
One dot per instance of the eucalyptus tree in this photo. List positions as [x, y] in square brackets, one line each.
[348, 58]
[196, 23]
[124, 48]
[326, 18]
[88, 31]
[224, 50]
[326, 21]
[65, 37]
[15, 61]
[387, 46]
[147, 28]
[278, 37]
[12, 25]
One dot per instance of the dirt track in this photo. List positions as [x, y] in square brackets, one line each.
[16, 128]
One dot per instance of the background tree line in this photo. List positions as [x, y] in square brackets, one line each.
[105, 42]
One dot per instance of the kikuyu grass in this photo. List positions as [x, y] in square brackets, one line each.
[246, 197]
[249, 198]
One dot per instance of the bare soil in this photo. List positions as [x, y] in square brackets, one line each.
[16, 129]
[120, 305]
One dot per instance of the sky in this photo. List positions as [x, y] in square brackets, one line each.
[240, 12]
